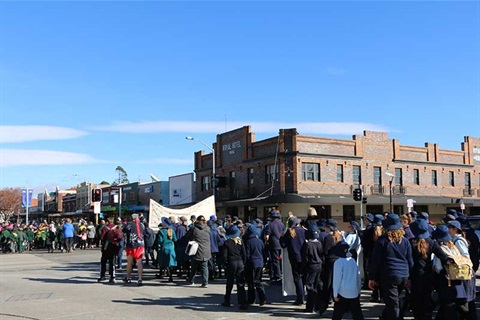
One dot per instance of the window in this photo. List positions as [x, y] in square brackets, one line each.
[416, 176]
[398, 177]
[205, 183]
[311, 171]
[377, 176]
[339, 173]
[468, 183]
[357, 175]
[348, 213]
[131, 195]
[250, 176]
[271, 173]
[398, 209]
[451, 179]
[434, 178]
[324, 212]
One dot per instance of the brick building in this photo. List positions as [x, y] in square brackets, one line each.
[293, 171]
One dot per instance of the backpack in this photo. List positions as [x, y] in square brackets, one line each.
[461, 268]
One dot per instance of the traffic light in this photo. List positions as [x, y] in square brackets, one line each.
[357, 194]
[364, 200]
[97, 195]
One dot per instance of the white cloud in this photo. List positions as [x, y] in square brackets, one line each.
[11, 134]
[15, 157]
[167, 161]
[343, 128]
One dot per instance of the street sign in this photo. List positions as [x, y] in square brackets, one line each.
[410, 203]
[462, 206]
[96, 207]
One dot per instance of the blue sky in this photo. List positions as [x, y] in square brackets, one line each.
[87, 86]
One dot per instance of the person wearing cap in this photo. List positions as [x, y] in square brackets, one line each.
[346, 283]
[473, 241]
[215, 243]
[254, 248]
[447, 290]
[422, 276]
[367, 245]
[273, 232]
[353, 239]
[390, 265]
[294, 239]
[200, 233]
[332, 238]
[166, 238]
[183, 260]
[466, 298]
[235, 257]
[312, 264]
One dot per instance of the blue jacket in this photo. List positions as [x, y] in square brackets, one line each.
[68, 230]
[254, 250]
[294, 245]
[215, 240]
[274, 230]
[391, 259]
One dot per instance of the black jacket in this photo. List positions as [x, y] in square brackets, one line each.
[233, 252]
[424, 267]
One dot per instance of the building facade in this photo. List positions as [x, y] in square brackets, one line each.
[293, 172]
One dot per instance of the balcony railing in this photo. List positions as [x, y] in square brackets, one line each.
[399, 190]
[377, 189]
[468, 192]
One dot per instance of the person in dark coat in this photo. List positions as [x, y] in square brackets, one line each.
[312, 262]
[367, 245]
[406, 220]
[294, 239]
[473, 241]
[254, 263]
[390, 265]
[110, 242]
[273, 232]
[235, 257]
[183, 260]
[312, 217]
[200, 233]
[422, 275]
[149, 242]
[215, 243]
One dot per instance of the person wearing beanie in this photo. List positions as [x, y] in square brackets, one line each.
[254, 248]
[422, 276]
[167, 259]
[183, 260]
[391, 264]
[312, 263]
[234, 256]
[346, 283]
[273, 232]
[215, 244]
[294, 239]
[466, 299]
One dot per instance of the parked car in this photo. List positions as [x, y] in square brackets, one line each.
[475, 224]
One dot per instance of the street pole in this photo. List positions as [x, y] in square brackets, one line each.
[26, 206]
[391, 200]
[120, 203]
[361, 210]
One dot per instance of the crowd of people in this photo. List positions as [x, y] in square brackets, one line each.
[433, 265]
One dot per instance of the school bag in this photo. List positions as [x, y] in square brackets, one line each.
[461, 268]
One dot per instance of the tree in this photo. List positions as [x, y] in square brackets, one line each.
[104, 182]
[122, 176]
[10, 202]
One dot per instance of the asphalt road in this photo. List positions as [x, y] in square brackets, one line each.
[39, 285]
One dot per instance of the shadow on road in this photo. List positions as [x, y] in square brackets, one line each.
[72, 280]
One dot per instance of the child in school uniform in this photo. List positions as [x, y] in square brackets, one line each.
[312, 263]
[346, 283]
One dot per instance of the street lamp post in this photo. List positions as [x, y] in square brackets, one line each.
[213, 161]
[392, 176]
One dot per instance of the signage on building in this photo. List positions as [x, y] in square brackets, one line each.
[149, 189]
[231, 147]
[176, 193]
[476, 155]
[232, 152]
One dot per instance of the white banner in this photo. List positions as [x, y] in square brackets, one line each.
[157, 211]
